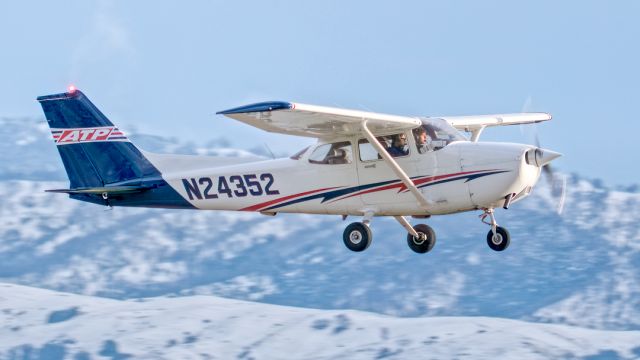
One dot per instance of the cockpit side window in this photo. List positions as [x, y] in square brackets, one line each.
[332, 154]
[435, 134]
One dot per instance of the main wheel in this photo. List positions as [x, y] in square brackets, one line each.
[357, 236]
[500, 240]
[425, 242]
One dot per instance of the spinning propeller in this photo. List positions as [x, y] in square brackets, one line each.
[557, 182]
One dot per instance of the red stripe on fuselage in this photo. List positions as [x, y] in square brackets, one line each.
[402, 187]
[438, 177]
[282, 199]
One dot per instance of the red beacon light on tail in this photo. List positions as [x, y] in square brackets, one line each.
[72, 89]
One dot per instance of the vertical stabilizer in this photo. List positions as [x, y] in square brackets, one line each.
[93, 150]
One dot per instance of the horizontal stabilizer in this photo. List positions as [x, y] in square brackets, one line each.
[104, 189]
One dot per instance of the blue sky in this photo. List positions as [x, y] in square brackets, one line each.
[166, 69]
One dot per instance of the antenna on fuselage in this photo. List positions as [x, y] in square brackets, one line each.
[269, 150]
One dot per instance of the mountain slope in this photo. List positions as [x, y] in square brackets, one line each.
[36, 323]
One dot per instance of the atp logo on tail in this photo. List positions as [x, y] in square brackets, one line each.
[85, 135]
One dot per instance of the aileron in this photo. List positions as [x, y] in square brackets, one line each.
[476, 122]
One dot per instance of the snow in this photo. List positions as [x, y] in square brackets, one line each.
[212, 327]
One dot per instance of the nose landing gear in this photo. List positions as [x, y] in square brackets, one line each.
[498, 237]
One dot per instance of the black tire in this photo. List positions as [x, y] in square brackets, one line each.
[422, 246]
[501, 241]
[357, 237]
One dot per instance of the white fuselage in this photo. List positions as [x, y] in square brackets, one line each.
[459, 177]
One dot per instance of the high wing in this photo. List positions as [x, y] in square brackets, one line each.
[479, 122]
[327, 122]
[317, 121]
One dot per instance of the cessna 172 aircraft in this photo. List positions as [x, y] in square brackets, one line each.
[364, 164]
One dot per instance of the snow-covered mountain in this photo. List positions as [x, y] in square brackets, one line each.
[581, 268]
[42, 324]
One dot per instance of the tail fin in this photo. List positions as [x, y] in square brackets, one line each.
[95, 153]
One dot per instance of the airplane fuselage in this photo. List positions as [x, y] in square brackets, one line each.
[460, 177]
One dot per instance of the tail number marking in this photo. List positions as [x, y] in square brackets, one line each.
[231, 186]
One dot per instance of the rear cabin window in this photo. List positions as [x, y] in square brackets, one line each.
[332, 154]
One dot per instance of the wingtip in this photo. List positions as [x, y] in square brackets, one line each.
[258, 107]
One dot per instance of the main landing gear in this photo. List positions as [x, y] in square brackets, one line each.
[357, 236]
[498, 237]
[420, 238]
[425, 240]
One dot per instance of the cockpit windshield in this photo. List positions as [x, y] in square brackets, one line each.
[299, 154]
[434, 134]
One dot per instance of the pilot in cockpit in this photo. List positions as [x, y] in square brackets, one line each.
[423, 141]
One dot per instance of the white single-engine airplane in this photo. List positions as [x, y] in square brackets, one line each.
[364, 164]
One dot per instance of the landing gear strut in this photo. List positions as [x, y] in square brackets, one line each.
[420, 238]
[498, 237]
[425, 240]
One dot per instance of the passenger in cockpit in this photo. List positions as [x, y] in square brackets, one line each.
[399, 146]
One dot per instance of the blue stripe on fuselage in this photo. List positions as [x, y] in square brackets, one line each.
[341, 192]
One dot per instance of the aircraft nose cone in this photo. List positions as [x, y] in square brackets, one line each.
[547, 156]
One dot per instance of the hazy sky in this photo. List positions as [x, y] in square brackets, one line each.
[166, 69]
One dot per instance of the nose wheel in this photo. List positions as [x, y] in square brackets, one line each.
[500, 240]
[498, 237]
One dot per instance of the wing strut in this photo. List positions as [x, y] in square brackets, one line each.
[395, 167]
[475, 134]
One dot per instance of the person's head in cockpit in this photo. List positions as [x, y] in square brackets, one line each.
[421, 140]
[399, 145]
